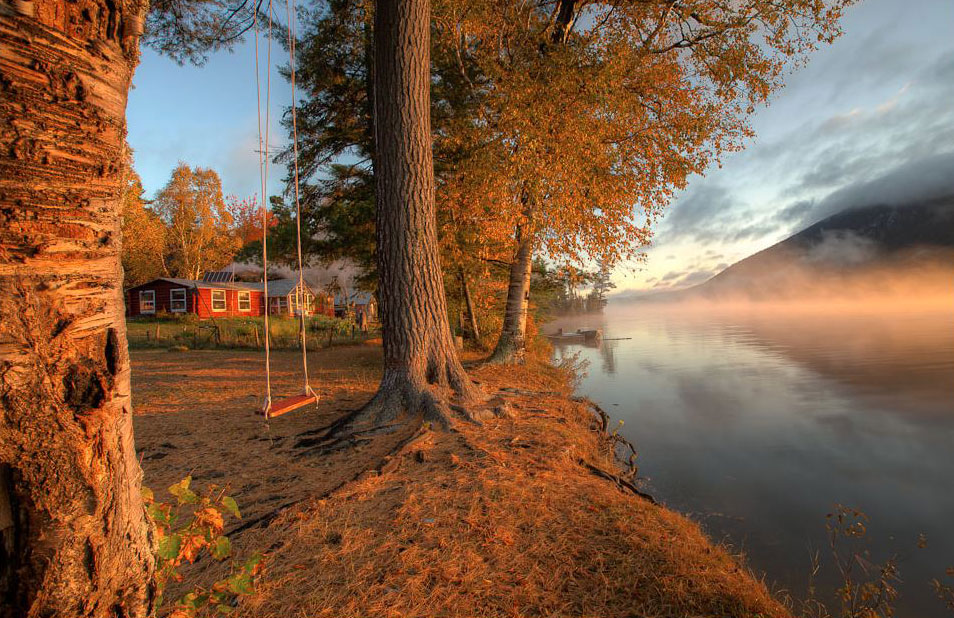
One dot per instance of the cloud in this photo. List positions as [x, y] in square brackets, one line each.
[700, 213]
[910, 183]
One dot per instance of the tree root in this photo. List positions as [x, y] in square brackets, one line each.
[620, 482]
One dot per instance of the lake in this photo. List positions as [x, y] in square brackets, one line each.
[757, 421]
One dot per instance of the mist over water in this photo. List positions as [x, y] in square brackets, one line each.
[757, 418]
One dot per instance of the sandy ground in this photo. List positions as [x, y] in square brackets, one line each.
[196, 414]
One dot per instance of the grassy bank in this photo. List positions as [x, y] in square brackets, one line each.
[515, 517]
[186, 331]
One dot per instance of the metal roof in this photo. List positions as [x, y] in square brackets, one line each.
[358, 298]
[276, 287]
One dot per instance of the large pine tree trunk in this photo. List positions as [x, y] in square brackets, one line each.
[512, 344]
[74, 540]
[419, 352]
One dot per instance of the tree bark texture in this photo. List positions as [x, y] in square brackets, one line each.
[418, 348]
[74, 538]
[512, 344]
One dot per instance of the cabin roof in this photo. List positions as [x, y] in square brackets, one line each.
[279, 287]
[358, 298]
[276, 287]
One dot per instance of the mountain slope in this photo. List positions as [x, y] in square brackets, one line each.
[863, 249]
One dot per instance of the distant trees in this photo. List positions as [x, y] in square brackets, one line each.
[144, 235]
[199, 228]
[190, 228]
[248, 218]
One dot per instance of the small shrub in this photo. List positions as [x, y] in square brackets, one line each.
[183, 539]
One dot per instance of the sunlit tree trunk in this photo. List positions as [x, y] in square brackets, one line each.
[74, 541]
[512, 344]
[418, 348]
[469, 304]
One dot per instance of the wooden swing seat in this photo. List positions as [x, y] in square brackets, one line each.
[288, 404]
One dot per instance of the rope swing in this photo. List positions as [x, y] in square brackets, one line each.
[308, 395]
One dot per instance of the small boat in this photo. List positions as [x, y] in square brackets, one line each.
[582, 335]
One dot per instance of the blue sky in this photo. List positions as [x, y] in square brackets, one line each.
[868, 117]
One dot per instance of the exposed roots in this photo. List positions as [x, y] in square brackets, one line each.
[401, 401]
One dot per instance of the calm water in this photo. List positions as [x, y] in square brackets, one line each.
[756, 425]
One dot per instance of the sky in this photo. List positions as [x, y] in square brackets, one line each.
[868, 119]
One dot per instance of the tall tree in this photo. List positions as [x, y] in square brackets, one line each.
[75, 540]
[200, 235]
[418, 349]
[607, 108]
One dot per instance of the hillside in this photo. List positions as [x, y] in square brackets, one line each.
[876, 248]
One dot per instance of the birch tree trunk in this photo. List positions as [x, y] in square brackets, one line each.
[469, 304]
[74, 540]
[512, 344]
[418, 349]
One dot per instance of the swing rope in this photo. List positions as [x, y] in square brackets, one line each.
[263, 145]
[263, 173]
[300, 291]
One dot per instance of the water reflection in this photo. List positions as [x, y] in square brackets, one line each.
[757, 423]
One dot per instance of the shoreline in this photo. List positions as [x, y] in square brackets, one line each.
[526, 515]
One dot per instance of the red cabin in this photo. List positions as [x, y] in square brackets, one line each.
[202, 298]
[212, 299]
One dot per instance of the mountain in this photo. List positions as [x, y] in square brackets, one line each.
[879, 248]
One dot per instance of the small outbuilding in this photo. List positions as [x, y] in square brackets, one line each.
[358, 303]
[285, 296]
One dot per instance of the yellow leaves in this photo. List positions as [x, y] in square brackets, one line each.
[604, 128]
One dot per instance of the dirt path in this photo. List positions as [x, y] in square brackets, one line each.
[195, 414]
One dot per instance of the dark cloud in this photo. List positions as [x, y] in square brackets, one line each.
[899, 151]
[700, 214]
[910, 183]
[795, 212]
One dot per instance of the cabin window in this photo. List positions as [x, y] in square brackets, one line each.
[218, 300]
[245, 301]
[177, 300]
[147, 301]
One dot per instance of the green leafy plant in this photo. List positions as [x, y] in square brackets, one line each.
[189, 527]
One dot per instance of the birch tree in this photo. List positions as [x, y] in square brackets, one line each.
[74, 540]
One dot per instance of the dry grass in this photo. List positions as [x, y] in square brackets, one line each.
[499, 520]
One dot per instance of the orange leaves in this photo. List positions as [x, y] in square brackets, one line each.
[211, 518]
[597, 133]
[182, 540]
